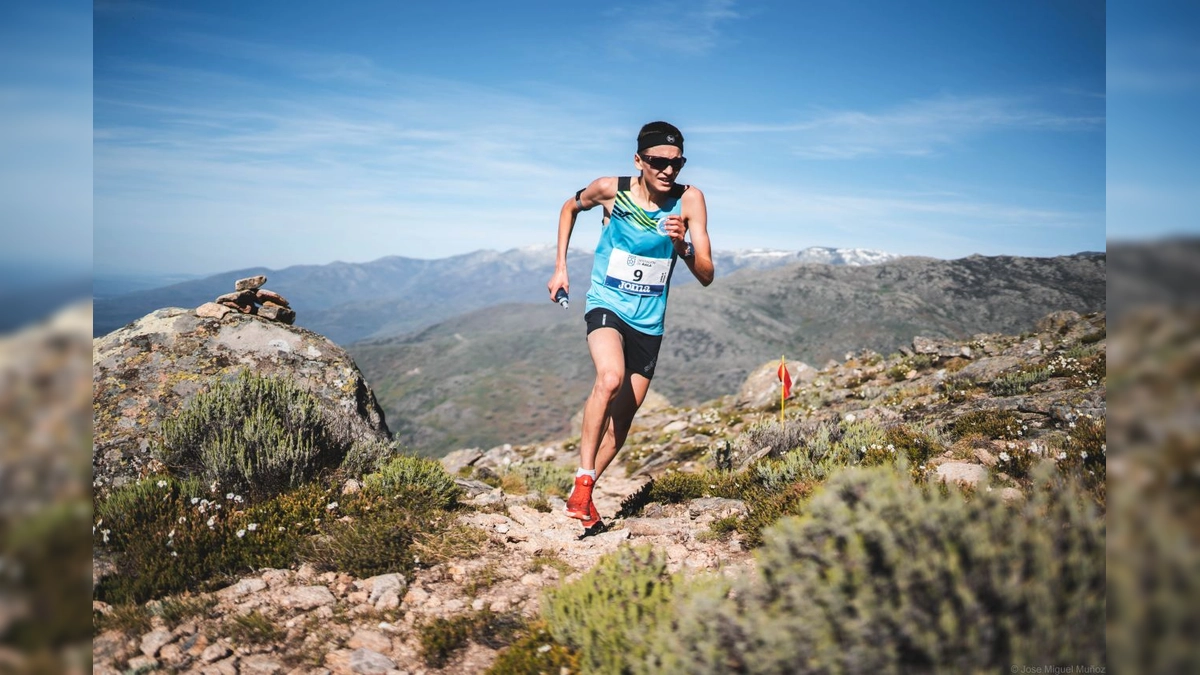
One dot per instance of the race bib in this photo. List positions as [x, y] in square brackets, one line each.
[635, 274]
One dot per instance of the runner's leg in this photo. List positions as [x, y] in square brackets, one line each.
[632, 394]
[607, 348]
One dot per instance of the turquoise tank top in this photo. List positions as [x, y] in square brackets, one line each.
[634, 260]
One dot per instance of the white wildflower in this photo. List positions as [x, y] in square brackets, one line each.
[171, 533]
[182, 519]
[228, 495]
[195, 500]
[211, 520]
[1062, 455]
[252, 527]
[105, 534]
[1083, 455]
[331, 506]
[1004, 457]
[162, 483]
[241, 533]
[174, 554]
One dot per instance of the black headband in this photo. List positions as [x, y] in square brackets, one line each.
[654, 138]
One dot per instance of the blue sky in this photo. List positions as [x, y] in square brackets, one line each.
[230, 134]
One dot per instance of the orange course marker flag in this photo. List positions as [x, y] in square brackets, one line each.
[786, 378]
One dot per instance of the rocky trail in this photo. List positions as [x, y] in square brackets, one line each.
[334, 622]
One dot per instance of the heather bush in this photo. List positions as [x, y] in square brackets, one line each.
[535, 652]
[416, 482]
[170, 535]
[256, 435]
[989, 423]
[1020, 381]
[607, 614]
[547, 478]
[368, 456]
[882, 575]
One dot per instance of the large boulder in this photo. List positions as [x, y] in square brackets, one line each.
[150, 369]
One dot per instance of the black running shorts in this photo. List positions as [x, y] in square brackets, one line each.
[641, 350]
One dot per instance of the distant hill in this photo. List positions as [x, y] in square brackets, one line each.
[353, 301]
[517, 373]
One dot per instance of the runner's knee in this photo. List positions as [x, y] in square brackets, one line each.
[608, 383]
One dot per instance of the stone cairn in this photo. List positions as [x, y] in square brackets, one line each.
[249, 297]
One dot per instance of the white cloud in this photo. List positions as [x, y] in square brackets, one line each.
[669, 27]
[917, 128]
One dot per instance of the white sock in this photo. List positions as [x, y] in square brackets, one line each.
[586, 472]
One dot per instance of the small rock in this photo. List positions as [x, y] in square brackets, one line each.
[154, 641]
[276, 578]
[369, 639]
[1010, 494]
[259, 664]
[241, 298]
[924, 345]
[384, 583]
[307, 597]
[212, 310]
[307, 571]
[264, 296]
[276, 313]
[415, 596]
[170, 654]
[531, 580]
[499, 606]
[214, 652]
[369, 662]
[389, 600]
[962, 472]
[460, 459]
[986, 458]
[477, 604]
[242, 587]
[351, 486]
[225, 667]
[250, 283]
[140, 663]
[677, 425]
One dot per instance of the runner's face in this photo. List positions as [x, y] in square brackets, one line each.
[658, 180]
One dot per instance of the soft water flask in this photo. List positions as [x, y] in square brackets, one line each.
[561, 298]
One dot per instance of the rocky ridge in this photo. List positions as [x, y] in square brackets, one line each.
[331, 622]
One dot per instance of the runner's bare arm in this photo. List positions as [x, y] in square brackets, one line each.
[695, 217]
[600, 191]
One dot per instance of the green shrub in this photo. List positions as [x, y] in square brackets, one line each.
[999, 424]
[766, 511]
[378, 541]
[547, 478]
[252, 629]
[959, 388]
[881, 575]
[1020, 381]
[535, 652]
[607, 614]
[414, 482]
[368, 456]
[443, 637]
[780, 438]
[255, 435]
[43, 565]
[1086, 455]
[673, 487]
[170, 535]
[1018, 459]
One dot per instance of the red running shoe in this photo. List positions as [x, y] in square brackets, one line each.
[579, 504]
[593, 516]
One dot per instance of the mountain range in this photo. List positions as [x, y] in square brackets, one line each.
[518, 372]
[348, 302]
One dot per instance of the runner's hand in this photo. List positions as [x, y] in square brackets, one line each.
[676, 227]
[559, 280]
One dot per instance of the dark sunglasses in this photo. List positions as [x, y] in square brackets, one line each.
[661, 163]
